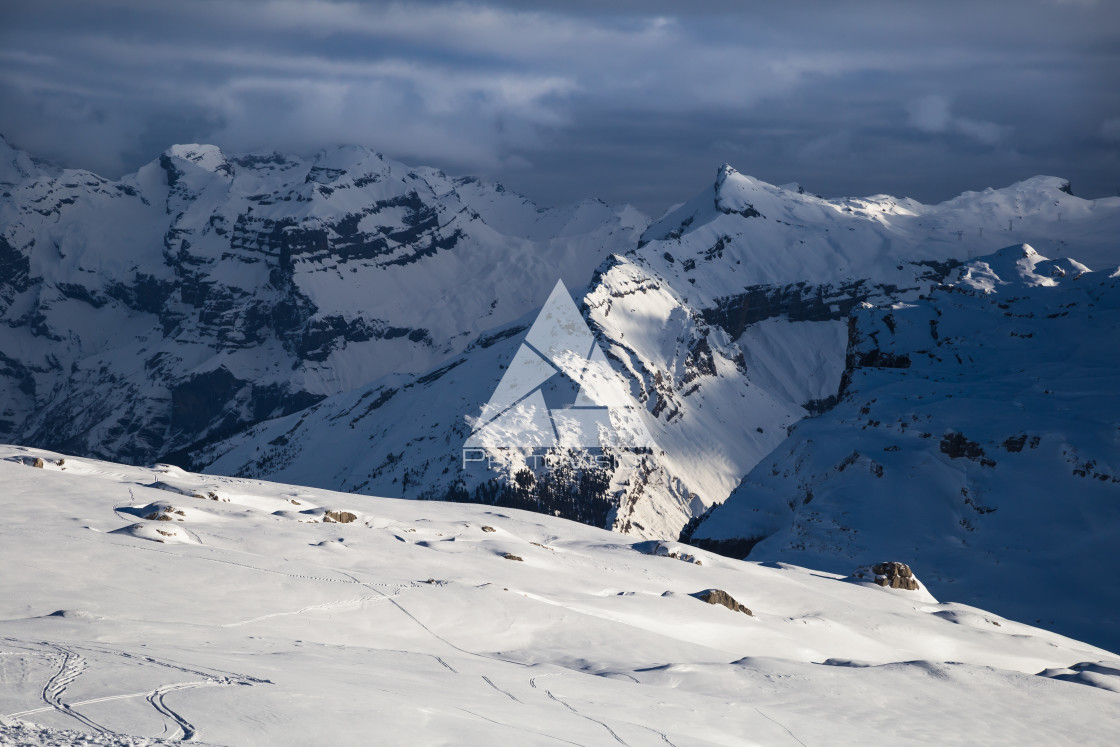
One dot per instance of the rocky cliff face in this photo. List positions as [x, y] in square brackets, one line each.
[207, 292]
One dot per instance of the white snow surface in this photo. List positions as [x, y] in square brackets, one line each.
[978, 439]
[413, 625]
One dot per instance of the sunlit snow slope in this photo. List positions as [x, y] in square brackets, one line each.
[138, 603]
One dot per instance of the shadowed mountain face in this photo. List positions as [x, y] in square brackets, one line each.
[207, 292]
[977, 434]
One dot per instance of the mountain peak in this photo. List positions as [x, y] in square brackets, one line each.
[1046, 183]
[15, 165]
[1018, 265]
[347, 157]
[205, 156]
[734, 192]
[722, 173]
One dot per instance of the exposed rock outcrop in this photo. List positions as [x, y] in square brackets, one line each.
[891, 574]
[719, 596]
[339, 517]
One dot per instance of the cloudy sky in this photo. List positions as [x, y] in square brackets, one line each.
[629, 101]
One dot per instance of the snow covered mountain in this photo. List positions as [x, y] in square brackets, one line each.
[731, 316]
[977, 434]
[139, 605]
[728, 322]
[336, 323]
[208, 291]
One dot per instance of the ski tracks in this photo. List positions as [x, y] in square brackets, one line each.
[357, 601]
[71, 665]
[503, 692]
[589, 718]
[533, 684]
[156, 698]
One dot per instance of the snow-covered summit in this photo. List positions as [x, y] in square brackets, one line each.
[796, 236]
[1019, 265]
[208, 157]
[15, 165]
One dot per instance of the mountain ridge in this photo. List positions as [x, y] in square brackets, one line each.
[258, 281]
[307, 291]
[754, 363]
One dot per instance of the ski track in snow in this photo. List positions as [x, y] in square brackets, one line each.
[514, 727]
[503, 692]
[781, 725]
[156, 698]
[533, 684]
[71, 666]
[356, 601]
[617, 738]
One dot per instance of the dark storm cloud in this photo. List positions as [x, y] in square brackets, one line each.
[631, 101]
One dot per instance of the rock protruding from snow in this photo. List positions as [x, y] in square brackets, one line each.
[339, 517]
[891, 574]
[157, 533]
[719, 596]
[667, 550]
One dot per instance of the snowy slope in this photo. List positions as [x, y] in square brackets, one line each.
[209, 291]
[978, 435]
[242, 618]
